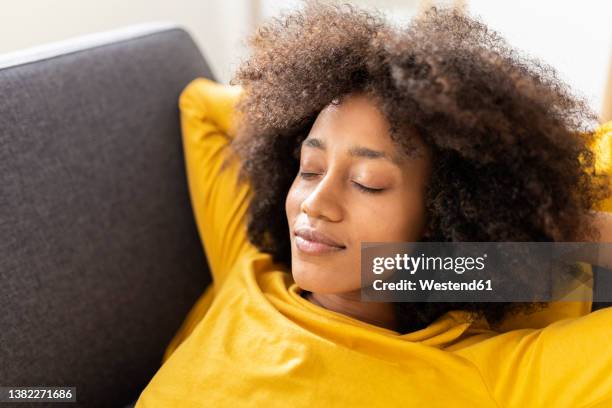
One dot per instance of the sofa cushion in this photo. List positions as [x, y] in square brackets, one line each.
[100, 259]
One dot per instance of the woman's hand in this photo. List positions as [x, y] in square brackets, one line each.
[603, 223]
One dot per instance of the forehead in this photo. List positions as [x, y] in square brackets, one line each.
[358, 127]
[356, 118]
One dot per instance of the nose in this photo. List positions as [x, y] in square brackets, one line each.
[323, 201]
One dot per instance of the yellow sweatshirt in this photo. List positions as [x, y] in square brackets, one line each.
[252, 340]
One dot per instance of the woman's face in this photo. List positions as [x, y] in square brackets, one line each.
[348, 151]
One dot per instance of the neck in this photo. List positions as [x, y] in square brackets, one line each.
[376, 313]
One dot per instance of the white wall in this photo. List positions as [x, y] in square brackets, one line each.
[573, 36]
[218, 26]
[396, 10]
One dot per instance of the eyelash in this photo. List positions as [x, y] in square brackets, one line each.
[367, 190]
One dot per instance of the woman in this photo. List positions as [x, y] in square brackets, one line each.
[347, 130]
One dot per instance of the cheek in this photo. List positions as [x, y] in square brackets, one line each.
[291, 203]
[398, 218]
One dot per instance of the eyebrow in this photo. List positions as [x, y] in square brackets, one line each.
[355, 151]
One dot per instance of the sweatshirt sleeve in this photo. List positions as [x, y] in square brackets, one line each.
[219, 204]
[603, 156]
[567, 360]
[566, 364]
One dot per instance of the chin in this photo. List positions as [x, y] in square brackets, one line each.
[319, 282]
[306, 279]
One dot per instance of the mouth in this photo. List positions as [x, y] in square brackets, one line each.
[315, 248]
[311, 241]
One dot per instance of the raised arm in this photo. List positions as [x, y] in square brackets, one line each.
[603, 154]
[218, 203]
[569, 362]
[603, 211]
[566, 364]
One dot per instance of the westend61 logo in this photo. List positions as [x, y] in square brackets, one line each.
[484, 272]
[412, 264]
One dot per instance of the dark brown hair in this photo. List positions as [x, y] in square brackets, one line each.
[510, 142]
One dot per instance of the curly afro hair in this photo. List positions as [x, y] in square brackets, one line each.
[510, 142]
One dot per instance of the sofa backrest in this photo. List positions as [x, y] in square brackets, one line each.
[100, 258]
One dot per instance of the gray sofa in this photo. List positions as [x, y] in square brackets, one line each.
[100, 258]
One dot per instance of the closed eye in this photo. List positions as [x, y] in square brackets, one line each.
[368, 190]
[307, 176]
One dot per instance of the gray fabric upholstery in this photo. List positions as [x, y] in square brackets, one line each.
[602, 287]
[100, 258]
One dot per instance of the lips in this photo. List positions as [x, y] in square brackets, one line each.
[318, 237]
